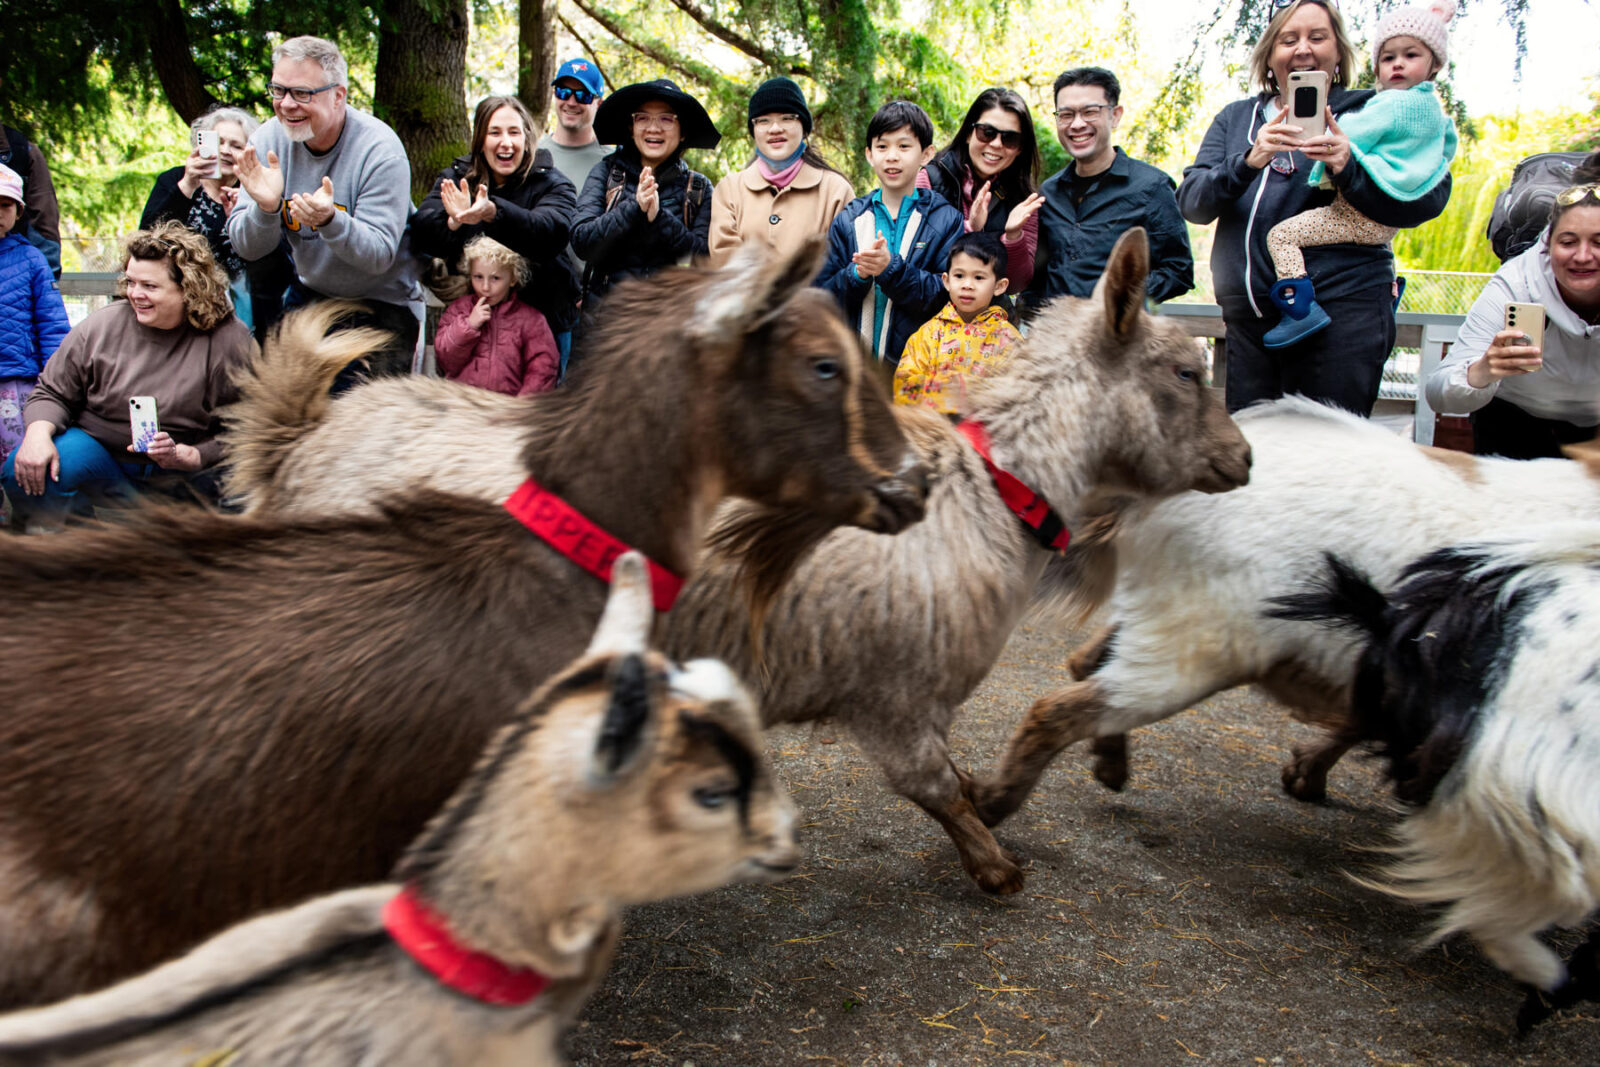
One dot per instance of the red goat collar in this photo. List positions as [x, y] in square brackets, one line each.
[421, 932]
[1042, 522]
[570, 532]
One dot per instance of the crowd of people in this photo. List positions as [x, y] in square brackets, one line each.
[936, 266]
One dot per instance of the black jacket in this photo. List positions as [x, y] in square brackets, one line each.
[1220, 186]
[621, 242]
[1075, 240]
[533, 218]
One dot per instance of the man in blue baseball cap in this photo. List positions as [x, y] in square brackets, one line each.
[571, 141]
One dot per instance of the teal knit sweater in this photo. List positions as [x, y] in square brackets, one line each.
[1403, 140]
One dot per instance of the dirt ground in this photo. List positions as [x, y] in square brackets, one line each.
[1199, 917]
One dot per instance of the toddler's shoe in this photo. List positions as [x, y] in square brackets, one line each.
[1302, 315]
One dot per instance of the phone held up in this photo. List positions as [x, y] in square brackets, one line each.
[206, 143]
[1308, 101]
[142, 415]
[1528, 320]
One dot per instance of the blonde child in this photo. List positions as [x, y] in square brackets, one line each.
[33, 319]
[968, 337]
[1401, 138]
[489, 337]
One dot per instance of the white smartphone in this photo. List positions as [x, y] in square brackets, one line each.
[205, 142]
[142, 415]
[1308, 101]
[1528, 320]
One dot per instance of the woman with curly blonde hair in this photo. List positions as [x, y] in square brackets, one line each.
[173, 341]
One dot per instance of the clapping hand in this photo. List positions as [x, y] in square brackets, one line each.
[874, 260]
[314, 208]
[1021, 214]
[263, 184]
[462, 207]
[978, 214]
[648, 195]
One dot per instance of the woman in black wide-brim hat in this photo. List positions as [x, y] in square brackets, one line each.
[642, 208]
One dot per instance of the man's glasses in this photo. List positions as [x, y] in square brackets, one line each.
[1573, 194]
[1068, 115]
[768, 121]
[987, 135]
[582, 96]
[301, 96]
[1280, 4]
[643, 120]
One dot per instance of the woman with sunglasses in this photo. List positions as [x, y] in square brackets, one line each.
[991, 172]
[1251, 174]
[1527, 400]
[788, 192]
[642, 208]
[506, 190]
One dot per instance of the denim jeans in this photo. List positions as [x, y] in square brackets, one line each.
[87, 468]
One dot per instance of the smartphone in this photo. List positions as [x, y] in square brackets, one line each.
[1308, 101]
[1528, 320]
[142, 416]
[205, 142]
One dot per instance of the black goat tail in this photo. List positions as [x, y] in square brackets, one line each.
[1341, 597]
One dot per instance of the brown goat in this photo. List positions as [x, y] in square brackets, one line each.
[626, 779]
[209, 716]
[889, 635]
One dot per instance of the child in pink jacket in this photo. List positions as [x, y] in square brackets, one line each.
[490, 338]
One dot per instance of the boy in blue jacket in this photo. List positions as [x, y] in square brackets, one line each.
[33, 320]
[886, 250]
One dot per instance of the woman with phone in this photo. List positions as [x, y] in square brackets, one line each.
[990, 170]
[171, 342]
[510, 191]
[788, 192]
[200, 194]
[1250, 174]
[1526, 364]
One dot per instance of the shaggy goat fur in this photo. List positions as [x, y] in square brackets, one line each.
[1479, 682]
[888, 635]
[626, 779]
[1196, 575]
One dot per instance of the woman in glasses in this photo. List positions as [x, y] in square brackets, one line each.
[511, 192]
[991, 172]
[1528, 399]
[642, 208]
[788, 192]
[1251, 174]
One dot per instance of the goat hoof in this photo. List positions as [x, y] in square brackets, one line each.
[1306, 784]
[1111, 772]
[1535, 1009]
[1002, 879]
[991, 801]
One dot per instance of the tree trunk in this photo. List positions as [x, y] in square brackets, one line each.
[536, 55]
[422, 69]
[173, 60]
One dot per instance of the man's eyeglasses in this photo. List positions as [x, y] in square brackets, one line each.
[1573, 194]
[768, 121]
[987, 134]
[1067, 115]
[301, 96]
[643, 120]
[1280, 4]
[582, 96]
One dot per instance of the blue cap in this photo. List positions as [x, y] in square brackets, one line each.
[584, 71]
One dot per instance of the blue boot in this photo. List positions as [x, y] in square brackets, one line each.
[1302, 315]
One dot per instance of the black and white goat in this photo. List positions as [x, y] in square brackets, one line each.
[1479, 684]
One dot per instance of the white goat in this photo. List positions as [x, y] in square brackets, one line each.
[1480, 684]
[1195, 574]
[625, 779]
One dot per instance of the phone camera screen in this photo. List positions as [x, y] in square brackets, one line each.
[1305, 102]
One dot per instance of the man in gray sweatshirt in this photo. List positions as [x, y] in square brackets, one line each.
[334, 183]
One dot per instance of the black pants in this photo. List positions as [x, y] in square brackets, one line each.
[1500, 428]
[392, 360]
[1342, 365]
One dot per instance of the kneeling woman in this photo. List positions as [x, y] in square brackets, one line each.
[172, 337]
[1528, 400]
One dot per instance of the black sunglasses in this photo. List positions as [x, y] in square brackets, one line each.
[987, 133]
[582, 96]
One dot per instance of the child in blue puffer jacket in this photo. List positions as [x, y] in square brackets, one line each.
[33, 320]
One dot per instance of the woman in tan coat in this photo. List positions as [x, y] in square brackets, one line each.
[788, 192]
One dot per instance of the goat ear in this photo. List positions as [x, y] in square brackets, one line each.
[577, 930]
[752, 289]
[629, 613]
[1120, 289]
[627, 718]
[1587, 453]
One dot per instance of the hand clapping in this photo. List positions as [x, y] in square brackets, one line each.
[874, 260]
[315, 208]
[263, 184]
[648, 195]
[462, 207]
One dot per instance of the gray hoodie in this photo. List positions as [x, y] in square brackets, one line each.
[1566, 387]
[365, 251]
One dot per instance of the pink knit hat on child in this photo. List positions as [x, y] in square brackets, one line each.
[10, 184]
[1430, 25]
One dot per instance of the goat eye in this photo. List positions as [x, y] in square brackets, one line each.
[712, 796]
[1187, 374]
[826, 368]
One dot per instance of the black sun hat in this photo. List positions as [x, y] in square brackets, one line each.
[613, 123]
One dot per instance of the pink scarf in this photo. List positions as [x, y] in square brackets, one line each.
[787, 169]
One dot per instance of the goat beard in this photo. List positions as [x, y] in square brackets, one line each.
[766, 545]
